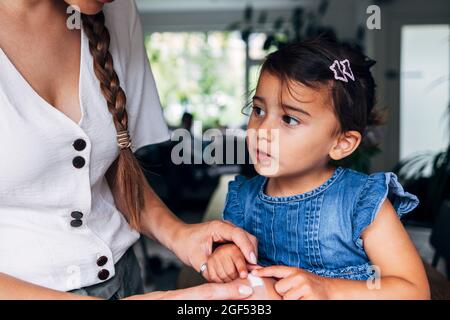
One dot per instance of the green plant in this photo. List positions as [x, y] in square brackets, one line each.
[434, 169]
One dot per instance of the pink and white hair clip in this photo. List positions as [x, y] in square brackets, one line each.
[342, 70]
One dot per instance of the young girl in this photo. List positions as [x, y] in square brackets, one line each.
[326, 232]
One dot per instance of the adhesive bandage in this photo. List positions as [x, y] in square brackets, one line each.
[255, 281]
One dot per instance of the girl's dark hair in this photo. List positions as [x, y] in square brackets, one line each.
[309, 62]
[128, 177]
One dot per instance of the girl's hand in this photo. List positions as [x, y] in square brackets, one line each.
[296, 283]
[193, 242]
[225, 264]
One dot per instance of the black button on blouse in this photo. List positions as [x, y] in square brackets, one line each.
[102, 261]
[78, 162]
[103, 274]
[76, 215]
[79, 144]
[76, 223]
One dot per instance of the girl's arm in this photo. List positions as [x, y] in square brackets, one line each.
[401, 271]
[391, 251]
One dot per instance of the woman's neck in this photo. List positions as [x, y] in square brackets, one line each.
[286, 186]
[40, 19]
[32, 9]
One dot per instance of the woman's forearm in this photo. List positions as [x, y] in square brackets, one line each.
[388, 288]
[14, 289]
[158, 222]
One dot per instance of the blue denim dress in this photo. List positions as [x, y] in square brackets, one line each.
[318, 231]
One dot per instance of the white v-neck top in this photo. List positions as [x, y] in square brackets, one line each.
[59, 227]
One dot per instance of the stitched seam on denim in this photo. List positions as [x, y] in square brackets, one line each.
[310, 233]
[297, 246]
[256, 222]
[306, 231]
[304, 196]
[267, 233]
[314, 234]
[264, 234]
[289, 235]
[272, 231]
[361, 193]
[319, 211]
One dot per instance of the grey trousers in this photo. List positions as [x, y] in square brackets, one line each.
[126, 282]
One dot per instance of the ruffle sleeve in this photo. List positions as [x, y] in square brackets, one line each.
[234, 209]
[377, 188]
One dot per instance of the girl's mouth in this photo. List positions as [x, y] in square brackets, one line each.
[262, 156]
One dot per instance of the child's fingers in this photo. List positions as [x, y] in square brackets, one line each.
[275, 272]
[205, 274]
[251, 267]
[230, 267]
[222, 272]
[240, 265]
[212, 271]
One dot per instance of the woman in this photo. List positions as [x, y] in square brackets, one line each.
[72, 195]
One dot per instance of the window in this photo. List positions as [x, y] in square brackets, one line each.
[425, 86]
[202, 73]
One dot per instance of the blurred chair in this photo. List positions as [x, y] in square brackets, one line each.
[440, 237]
[189, 277]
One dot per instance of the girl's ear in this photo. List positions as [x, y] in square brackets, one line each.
[345, 144]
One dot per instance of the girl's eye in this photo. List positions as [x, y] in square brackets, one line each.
[258, 111]
[290, 120]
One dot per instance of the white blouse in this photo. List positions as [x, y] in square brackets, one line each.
[59, 226]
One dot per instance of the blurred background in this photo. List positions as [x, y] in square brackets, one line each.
[206, 56]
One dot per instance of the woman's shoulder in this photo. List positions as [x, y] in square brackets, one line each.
[124, 13]
[123, 22]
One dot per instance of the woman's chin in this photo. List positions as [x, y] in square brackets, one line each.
[86, 7]
[91, 9]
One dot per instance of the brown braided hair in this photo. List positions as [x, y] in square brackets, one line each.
[129, 176]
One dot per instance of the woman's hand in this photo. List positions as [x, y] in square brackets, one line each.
[209, 291]
[193, 242]
[296, 283]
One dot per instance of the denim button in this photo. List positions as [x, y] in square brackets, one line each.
[103, 274]
[78, 162]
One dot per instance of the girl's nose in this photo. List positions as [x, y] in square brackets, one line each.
[266, 129]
